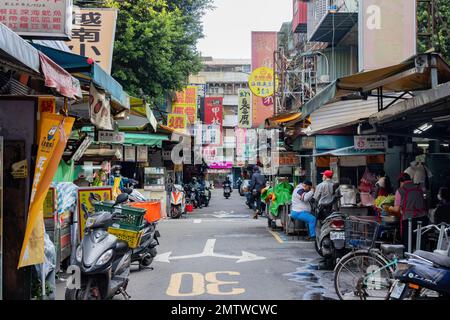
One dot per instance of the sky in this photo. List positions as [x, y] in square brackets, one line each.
[228, 27]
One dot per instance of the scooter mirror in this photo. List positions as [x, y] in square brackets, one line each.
[123, 197]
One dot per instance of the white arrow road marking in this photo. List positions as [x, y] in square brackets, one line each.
[197, 220]
[208, 251]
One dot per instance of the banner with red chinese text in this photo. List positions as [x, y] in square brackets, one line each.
[264, 44]
[214, 120]
[177, 121]
[43, 19]
[93, 34]
[186, 103]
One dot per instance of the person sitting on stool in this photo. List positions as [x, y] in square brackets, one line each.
[301, 208]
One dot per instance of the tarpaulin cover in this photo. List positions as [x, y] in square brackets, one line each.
[283, 195]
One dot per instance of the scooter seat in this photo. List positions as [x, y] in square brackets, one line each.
[436, 258]
[387, 248]
[121, 247]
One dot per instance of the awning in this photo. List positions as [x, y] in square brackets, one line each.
[288, 120]
[81, 67]
[349, 151]
[413, 74]
[342, 114]
[26, 55]
[151, 140]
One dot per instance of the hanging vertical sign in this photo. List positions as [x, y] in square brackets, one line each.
[99, 109]
[186, 103]
[263, 46]
[93, 34]
[214, 120]
[244, 109]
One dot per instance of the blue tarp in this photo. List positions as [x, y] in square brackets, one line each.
[75, 63]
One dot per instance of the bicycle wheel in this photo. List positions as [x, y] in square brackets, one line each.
[362, 275]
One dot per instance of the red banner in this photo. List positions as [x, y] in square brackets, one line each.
[58, 78]
[214, 120]
[263, 46]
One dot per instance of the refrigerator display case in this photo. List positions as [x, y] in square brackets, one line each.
[155, 179]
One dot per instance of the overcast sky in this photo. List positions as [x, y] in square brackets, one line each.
[228, 27]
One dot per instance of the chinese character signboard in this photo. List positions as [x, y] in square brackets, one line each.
[186, 103]
[263, 46]
[260, 82]
[371, 142]
[93, 34]
[390, 23]
[177, 121]
[214, 119]
[43, 19]
[244, 109]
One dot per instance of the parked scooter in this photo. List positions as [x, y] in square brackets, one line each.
[425, 274]
[227, 189]
[330, 232]
[177, 202]
[104, 261]
[146, 251]
[191, 195]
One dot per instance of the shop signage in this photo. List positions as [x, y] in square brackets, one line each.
[263, 46]
[177, 121]
[93, 34]
[186, 103]
[47, 104]
[371, 142]
[43, 19]
[244, 108]
[260, 82]
[213, 120]
[87, 196]
[142, 153]
[308, 143]
[111, 136]
[129, 154]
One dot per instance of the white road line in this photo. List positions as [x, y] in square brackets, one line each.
[197, 220]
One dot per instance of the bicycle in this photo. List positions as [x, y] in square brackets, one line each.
[366, 272]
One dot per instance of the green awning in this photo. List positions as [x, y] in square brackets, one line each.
[349, 151]
[140, 139]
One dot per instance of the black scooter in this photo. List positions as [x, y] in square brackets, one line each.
[146, 251]
[103, 260]
[227, 190]
[330, 232]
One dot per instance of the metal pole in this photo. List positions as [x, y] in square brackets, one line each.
[409, 235]
[43, 280]
[419, 235]
[441, 238]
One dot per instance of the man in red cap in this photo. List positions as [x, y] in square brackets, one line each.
[324, 191]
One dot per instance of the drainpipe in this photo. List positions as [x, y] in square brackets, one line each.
[434, 73]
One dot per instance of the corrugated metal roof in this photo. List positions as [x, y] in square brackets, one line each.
[9, 85]
[342, 113]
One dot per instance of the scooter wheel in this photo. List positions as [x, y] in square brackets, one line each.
[316, 246]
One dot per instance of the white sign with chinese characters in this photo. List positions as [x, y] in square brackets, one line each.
[93, 34]
[371, 142]
[111, 137]
[42, 19]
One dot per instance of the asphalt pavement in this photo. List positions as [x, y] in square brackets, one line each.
[220, 252]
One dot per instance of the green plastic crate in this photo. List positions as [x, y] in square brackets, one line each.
[134, 219]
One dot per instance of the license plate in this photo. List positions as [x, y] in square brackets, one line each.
[398, 290]
[337, 235]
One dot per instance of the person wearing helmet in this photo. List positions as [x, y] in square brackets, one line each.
[256, 185]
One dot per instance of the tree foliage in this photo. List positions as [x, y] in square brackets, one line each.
[155, 44]
[440, 40]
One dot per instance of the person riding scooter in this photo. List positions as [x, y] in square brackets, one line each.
[227, 187]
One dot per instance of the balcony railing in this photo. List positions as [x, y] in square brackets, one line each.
[330, 20]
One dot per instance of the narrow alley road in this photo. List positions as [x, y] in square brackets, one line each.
[219, 252]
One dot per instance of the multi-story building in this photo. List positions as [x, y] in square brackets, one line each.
[223, 78]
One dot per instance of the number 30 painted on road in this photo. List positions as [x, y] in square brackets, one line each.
[198, 284]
